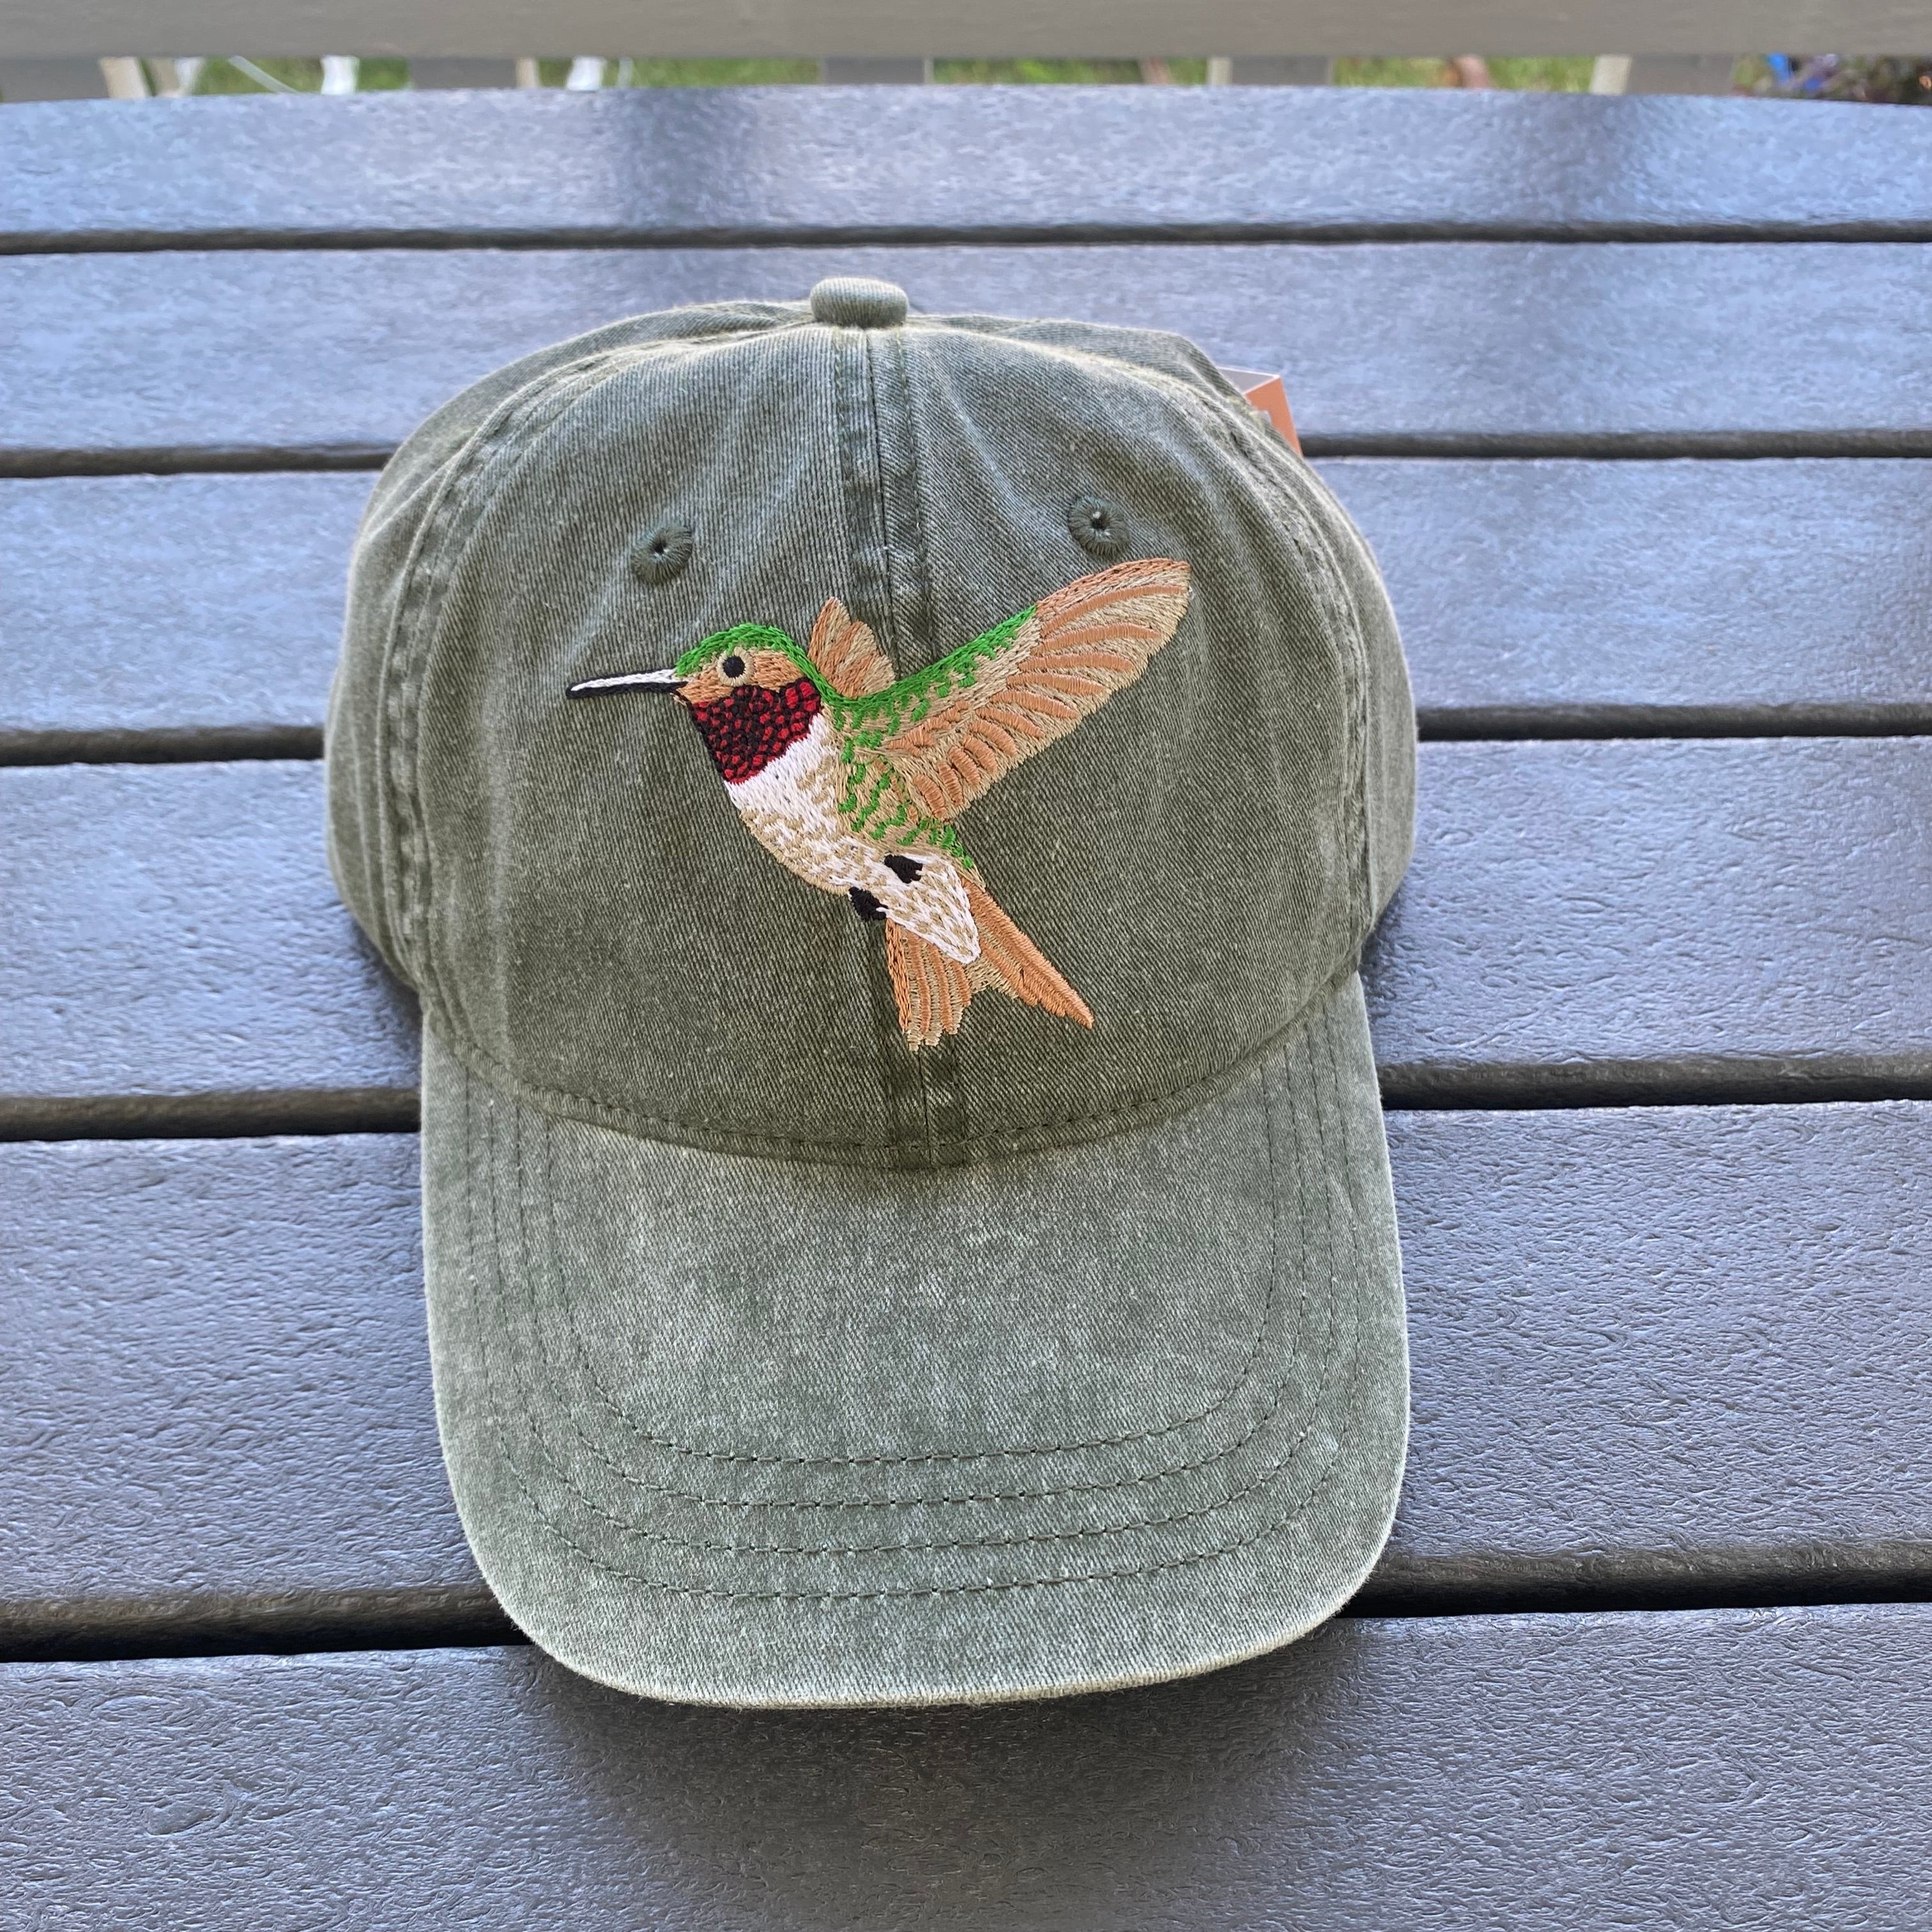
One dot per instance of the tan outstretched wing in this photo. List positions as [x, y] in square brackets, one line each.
[1079, 647]
[846, 654]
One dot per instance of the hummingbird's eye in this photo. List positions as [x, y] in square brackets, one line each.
[732, 665]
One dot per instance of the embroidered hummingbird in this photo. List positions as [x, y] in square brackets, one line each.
[850, 776]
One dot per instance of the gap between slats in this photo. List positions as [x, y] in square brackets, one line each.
[1703, 1082]
[136, 242]
[1635, 445]
[469, 1617]
[1513, 723]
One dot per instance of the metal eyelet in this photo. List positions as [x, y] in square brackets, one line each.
[1097, 526]
[659, 554]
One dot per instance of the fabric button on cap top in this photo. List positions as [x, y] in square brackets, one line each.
[857, 301]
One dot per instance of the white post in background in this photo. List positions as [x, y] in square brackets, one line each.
[340, 73]
[585, 74]
[174, 79]
[125, 80]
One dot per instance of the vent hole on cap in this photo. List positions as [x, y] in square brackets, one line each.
[659, 554]
[1098, 527]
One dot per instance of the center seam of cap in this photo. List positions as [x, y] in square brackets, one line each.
[1139, 1109]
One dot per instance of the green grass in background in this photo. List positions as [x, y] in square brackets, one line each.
[1831, 78]
[218, 77]
[376, 76]
[1021, 72]
[1533, 76]
[697, 72]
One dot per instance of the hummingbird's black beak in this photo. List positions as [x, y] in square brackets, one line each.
[629, 680]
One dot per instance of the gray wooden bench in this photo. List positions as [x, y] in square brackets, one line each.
[1634, 398]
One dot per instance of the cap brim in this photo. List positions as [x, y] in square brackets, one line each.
[730, 1430]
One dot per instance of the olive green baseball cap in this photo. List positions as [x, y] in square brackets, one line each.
[882, 812]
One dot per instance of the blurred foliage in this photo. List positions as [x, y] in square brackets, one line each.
[1015, 72]
[1903, 79]
[382, 75]
[694, 73]
[377, 76]
[218, 77]
[1533, 76]
[1795, 76]
[1091, 73]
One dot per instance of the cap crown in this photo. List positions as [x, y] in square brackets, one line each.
[569, 887]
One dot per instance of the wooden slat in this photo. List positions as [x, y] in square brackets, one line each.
[274, 360]
[1663, 1350]
[220, 1417]
[197, 616]
[1517, 1775]
[1633, 919]
[1658, 1354]
[658, 166]
[189, 904]
[996, 29]
[1690, 598]
[1687, 920]
[191, 616]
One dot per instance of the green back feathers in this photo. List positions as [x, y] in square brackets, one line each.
[875, 719]
[874, 801]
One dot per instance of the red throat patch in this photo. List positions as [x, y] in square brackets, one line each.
[755, 725]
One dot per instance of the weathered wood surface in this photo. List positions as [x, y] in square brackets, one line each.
[173, 928]
[1662, 919]
[324, 357]
[662, 167]
[219, 1419]
[1648, 1348]
[198, 616]
[187, 615]
[1639, 919]
[1687, 598]
[1524, 1773]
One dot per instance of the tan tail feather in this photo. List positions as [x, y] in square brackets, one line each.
[1016, 963]
[931, 990]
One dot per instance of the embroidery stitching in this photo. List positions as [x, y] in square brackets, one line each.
[850, 778]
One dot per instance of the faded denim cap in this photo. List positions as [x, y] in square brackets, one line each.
[907, 1214]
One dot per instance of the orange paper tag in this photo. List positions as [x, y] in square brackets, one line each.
[1270, 395]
